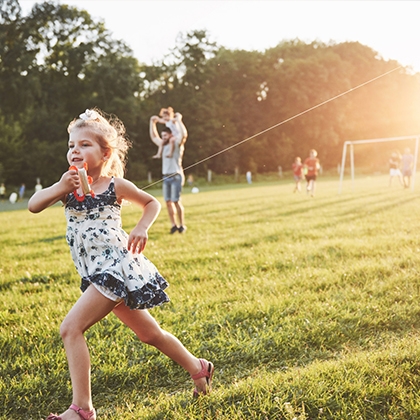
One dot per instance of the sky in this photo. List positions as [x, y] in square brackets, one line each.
[150, 27]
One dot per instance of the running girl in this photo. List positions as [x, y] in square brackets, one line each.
[115, 275]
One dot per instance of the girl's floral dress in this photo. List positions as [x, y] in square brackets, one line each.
[98, 246]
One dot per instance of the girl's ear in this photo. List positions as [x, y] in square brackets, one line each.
[107, 155]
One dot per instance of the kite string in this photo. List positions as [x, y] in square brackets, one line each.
[277, 125]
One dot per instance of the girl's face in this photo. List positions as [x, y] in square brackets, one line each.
[84, 148]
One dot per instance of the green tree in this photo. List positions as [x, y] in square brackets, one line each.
[11, 147]
[71, 63]
[17, 60]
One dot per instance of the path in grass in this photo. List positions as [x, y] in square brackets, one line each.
[308, 308]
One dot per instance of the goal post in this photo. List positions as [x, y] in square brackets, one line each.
[352, 143]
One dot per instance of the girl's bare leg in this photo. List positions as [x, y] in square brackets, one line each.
[148, 331]
[91, 307]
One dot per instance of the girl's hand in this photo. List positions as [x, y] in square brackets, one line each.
[137, 240]
[69, 181]
[46, 197]
[138, 237]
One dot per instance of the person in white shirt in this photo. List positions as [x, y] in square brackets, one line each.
[172, 171]
[167, 117]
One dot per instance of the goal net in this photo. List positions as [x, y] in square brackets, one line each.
[351, 146]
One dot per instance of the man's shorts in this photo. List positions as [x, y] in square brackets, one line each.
[310, 178]
[172, 187]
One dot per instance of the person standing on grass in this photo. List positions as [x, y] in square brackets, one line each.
[38, 185]
[167, 117]
[2, 191]
[297, 168]
[22, 191]
[312, 166]
[407, 161]
[115, 275]
[394, 167]
[172, 171]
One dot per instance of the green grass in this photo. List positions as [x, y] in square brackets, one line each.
[308, 308]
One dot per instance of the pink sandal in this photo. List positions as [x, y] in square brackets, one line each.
[207, 370]
[84, 415]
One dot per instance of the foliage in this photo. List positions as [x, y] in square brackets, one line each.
[66, 62]
[58, 61]
[307, 307]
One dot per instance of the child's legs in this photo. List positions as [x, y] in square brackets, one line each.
[91, 307]
[159, 152]
[148, 331]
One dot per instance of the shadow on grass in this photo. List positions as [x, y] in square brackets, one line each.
[37, 279]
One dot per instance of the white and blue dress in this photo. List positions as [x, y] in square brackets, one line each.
[98, 246]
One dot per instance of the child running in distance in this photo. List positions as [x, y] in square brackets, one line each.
[297, 167]
[312, 166]
[168, 117]
[115, 275]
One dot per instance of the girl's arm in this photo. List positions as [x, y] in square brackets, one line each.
[126, 190]
[42, 199]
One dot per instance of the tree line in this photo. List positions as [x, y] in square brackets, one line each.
[58, 60]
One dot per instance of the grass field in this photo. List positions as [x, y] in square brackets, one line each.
[308, 307]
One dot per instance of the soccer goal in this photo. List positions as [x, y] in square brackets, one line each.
[353, 143]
